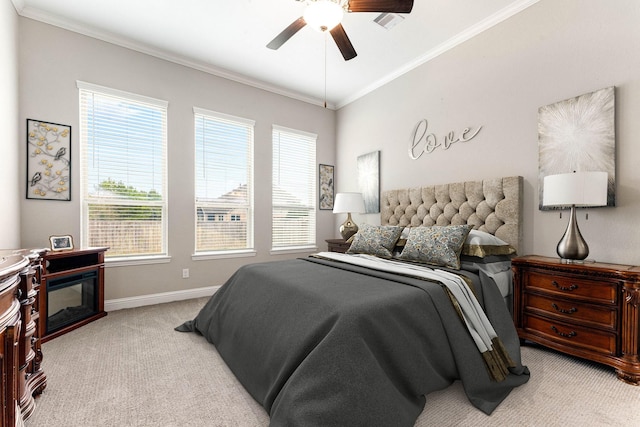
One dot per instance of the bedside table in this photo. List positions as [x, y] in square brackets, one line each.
[587, 310]
[338, 245]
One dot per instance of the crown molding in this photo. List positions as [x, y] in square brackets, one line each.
[18, 5]
[458, 39]
[106, 36]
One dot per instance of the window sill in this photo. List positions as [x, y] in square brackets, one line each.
[293, 250]
[132, 261]
[203, 256]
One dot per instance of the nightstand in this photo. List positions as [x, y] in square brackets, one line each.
[587, 310]
[338, 245]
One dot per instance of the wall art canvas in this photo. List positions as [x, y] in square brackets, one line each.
[48, 161]
[369, 180]
[578, 134]
[326, 187]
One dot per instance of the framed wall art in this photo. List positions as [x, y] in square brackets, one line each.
[578, 135]
[61, 243]
[327, 192]
[48, 161]
[369, 180]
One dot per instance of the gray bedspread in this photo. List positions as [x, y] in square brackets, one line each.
[322, 343]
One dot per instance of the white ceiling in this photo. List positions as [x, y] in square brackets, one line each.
[228, 38]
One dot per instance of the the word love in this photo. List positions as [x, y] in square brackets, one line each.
[425, 142]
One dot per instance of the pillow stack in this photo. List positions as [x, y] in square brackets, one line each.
[444, 246]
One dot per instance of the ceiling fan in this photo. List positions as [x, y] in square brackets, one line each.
[325, 15]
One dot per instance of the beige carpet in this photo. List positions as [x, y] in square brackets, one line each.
[132, 369]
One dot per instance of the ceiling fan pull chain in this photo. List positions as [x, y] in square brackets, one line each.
[325, 68]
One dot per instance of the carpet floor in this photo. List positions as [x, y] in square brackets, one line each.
[132, 369]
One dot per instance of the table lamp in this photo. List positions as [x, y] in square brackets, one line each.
[577, 189]
[348, 203]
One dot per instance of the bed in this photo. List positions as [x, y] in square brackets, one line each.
[336, 339]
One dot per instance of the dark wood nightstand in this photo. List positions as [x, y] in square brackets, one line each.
[587, 310]
[338, 245]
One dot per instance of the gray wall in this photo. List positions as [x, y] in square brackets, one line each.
[9, 142]
[52, 59]
[551, 51]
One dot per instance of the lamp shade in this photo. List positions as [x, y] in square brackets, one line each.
[348, 202]
[577, 188]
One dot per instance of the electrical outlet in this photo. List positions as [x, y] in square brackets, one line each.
[185, 273]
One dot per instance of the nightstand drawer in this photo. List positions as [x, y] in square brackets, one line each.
[338, 245]
[571, 335]
[571, 310]
[574, 287]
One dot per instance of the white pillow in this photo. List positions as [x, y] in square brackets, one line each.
[405, 232]
[482, 244]
[477, 237]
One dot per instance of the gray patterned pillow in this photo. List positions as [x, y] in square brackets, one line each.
[436, 245]
[375, 240]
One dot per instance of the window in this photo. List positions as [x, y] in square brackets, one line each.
[293, 189]
[223, 182]
[123, 142]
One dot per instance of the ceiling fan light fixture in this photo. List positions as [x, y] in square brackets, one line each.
[323, 15]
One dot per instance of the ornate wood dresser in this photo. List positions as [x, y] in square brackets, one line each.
[588, 310]
[21, 355]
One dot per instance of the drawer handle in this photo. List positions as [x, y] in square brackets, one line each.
[562, 310]
[564, 288]
[562, 334]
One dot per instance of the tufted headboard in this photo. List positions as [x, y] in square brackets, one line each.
[491, 205]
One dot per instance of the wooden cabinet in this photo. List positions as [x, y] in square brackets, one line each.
[72, 290]
[20, 353]
[31, 378]
[338, 245]
[588, 310]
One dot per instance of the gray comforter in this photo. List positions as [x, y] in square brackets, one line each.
[322, 343]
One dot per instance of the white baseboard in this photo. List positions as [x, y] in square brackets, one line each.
[140, 301]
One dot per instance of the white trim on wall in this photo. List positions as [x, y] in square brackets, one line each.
[108, 37]
[143, 300]
[496, 18]
[458, 39]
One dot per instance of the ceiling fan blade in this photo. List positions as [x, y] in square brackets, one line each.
[344, 44]
[287, 33]
[393, 6]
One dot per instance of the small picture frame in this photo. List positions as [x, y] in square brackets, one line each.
[61, 243]
[326, 184]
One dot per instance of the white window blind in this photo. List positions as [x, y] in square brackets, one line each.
[223, 182]
[293, 189]
[123, 141]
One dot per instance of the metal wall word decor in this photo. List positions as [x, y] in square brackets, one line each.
[425, 142]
